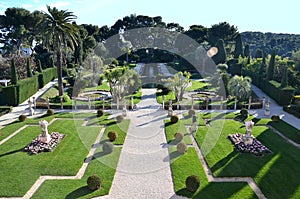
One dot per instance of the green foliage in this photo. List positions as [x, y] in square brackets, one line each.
[181, 148]
[100, 112]
[247, 50]
[275, 118]
[284, 80]
[27, 87]
[192, 183]
[174, 119]
[244, 112]
[14, 75]
[178, 136]
[178, 83]
[39, 66]
[50, 112]
[271, 68]
[192, 112]
[220, 57]
[112, 135]
[94, 182]
[238, 51]
[119, 118]
[49, 74]
[240, 87]
[258, 53]
[22, 118]
[108, 147]
[10, 95]
[28, 68]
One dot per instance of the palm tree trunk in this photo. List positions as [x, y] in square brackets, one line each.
[59, 71]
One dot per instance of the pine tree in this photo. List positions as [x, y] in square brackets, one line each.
[14, 75]
[284, 80]
[270, 74]
[220, 57]
[40, 69]
[247, 50]
[28, 68]
[238, 51]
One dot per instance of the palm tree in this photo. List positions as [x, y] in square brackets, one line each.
[60, 31]
[240, 87]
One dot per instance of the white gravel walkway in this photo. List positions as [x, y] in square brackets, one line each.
[144, 169]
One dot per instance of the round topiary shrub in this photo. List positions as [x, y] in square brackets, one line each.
[192, 183]
[244, 112]
[22, 118]
[181, 147]
[178, 136]
[192, 112]
[119, 118]
[275, 118]
[112, 135]
[174, 119]
[94, 182]
[50, 112]
[100, 113]
[108, 147]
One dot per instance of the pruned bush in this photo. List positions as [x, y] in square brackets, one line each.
[174, 119]
[192, 112]
[94, 182]
[50, 112]
[178, 136]
[244, 112]
[100, 113]
[119, 118]
[181, 147]
[22, 118]
[112, 135]
[192, 183]
[275, 118]
[108, 147]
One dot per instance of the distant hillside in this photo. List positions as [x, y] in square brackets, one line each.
[284, 44]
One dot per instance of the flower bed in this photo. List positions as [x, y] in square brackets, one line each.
[36, 146]
[256, 148]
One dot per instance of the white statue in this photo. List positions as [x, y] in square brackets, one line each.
[45, 137]
[247, 138]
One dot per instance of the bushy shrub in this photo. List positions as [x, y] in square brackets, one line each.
[181, 147]
[94, 182]
[112, 135]
[22, 118]
[275, 118]
[50, 112]
[174, 119]
[100, 113]
[108, 147]
[244, 112]
[119, 118]
[192, 112]
[178, 136]
[192, 183]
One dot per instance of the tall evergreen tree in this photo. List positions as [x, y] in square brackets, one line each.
[284, 80]
[247, 50]
[262, 68]
[238, 51]
[40, 69]
[14, 75]
[220, 57]
[258, 53]
[270, 74]
[28, 68]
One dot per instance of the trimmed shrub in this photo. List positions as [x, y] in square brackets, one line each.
[108, 147]
[244, 112]
[181, 147]
[192, 183]
[174, 119]
[112, 135]
[22, 118]
[50, 112]
[178, 136]
[100, 113]
[94, 182]
[119, 118]
[275, 118]
[192, 112]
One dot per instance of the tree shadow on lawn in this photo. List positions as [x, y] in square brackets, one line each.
[173, 155]
[82, 191]
[11, 152]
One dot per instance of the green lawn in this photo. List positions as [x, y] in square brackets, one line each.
[120, 128]
[287, 130]
[197, 85]
[171, 129]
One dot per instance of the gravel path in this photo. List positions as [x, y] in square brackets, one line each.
[144, 169]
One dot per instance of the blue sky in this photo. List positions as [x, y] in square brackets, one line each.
[252, 15]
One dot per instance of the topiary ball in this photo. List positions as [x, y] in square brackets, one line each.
[174, 119]
[244, 112]
[275, 118]
[181, 147]
[108, 147]
[94, 182]
[22, 118]
[50, 112]
[192, 183]
[112, 135]
[178, 136]
[192, 112]
[119, 118]
[100, 113]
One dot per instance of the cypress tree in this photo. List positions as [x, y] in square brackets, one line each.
[220, 57]
[262, 68]
[258, 53]
[40, 69]
[284, 80]
[247, 50]
[52, 63]
[238, 51]
[28, 68]
[270, 74]
[14, 75]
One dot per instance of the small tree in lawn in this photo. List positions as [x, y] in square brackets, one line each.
[270, 74]
[178, 83]
[14, 75]
[240, 87]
